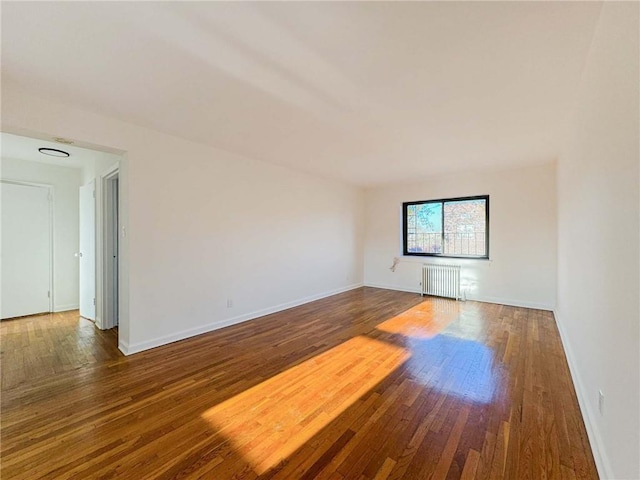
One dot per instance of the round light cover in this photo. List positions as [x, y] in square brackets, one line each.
[53, 152]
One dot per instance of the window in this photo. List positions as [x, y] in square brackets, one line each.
[452, 227]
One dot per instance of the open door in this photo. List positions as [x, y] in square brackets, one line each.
[111, 254]
[88, 251]
[26, 250]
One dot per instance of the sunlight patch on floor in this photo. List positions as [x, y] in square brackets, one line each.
[270, 421]
[425, 320]
[445, 353]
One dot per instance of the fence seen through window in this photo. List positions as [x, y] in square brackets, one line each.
[456, 227]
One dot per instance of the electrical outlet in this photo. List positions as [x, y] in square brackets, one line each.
[229, 303]
[601, 402]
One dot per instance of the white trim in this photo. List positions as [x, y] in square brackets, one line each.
[101, 255]
[595, 439]
[52, 231]
[111, 171]
[500, 301]
[66, 308]
[192, 332]
[392, 287]
[124, 347]
[93, 183]
[511, 303]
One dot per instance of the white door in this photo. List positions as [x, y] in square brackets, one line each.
[26, 250]
[88, 251]
[110, 187]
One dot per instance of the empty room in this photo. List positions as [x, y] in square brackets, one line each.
[320, 240]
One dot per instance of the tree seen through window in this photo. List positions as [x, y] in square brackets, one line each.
[452, 227]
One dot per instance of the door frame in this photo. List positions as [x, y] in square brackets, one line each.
[51, 229]
[104, 320]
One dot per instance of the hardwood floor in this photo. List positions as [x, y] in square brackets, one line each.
[51, 343]
[369, 384]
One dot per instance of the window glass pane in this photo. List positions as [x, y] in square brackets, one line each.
[424, 228]
[465, 228]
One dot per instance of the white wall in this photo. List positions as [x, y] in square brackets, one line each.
[522, 265]
[65, 183]
[99, 163]
[599, 242]
[258, 235]
[204, 226]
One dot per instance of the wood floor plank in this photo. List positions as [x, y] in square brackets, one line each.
[368, 384]
[385, 469]
[470, 466]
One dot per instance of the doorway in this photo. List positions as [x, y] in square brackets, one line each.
[77, 275]
[110, 242]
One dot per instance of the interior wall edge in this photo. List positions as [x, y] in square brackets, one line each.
[392, 287]
[474, 298]
[600, 456]
[65, 308]
[130, 349]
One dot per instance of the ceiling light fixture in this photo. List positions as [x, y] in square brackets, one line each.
[53, 152]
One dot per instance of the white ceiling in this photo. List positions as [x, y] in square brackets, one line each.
[26, 148]
[368, 93]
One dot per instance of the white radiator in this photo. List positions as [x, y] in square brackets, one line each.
[441, 280]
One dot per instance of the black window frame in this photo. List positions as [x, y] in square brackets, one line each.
[442, 201]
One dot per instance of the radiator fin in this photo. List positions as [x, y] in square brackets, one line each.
[441, 280]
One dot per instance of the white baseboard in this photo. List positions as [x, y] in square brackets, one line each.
[227, 322]
[511, 303]
[501, 301]
[124, 347]
[66, 308]
[392, 287]
[595, 439]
